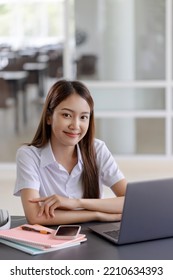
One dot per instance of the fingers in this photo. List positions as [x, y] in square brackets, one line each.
[47, 205]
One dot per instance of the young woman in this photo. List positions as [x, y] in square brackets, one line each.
[61, 173]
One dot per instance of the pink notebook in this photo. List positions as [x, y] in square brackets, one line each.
[39, 239]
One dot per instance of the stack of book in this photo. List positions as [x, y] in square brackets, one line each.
[38, 240]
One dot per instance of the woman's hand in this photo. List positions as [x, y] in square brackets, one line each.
[49, 204]
[107, 217]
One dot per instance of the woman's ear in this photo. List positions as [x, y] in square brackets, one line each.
[49, 120]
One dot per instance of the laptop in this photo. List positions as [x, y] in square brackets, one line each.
[147, 214]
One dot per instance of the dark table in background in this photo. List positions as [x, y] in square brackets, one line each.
[40, 69]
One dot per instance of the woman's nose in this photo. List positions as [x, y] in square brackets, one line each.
[74, 123]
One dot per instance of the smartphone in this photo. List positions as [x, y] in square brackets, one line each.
[67, 231]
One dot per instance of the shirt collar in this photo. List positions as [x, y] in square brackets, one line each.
[79, 154]
[47, 156]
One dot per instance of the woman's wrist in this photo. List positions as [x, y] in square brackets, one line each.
[79, 202]
[106, 217]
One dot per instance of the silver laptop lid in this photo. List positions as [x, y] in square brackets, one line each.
[148, 211]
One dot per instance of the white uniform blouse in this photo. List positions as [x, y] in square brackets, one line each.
[38, 169]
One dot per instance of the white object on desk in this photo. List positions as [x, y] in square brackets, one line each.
[5, 219]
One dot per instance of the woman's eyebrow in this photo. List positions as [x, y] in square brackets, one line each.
[70, 110]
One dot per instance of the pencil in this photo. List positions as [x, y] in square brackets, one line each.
[42, 231]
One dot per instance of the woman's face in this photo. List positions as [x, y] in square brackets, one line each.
[70, 121]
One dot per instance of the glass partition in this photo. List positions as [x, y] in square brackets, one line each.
[120, 40]
[129, 136]
[127, 99]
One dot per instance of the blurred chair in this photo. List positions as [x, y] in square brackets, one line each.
[17, 65]
[4, 94]
[55, 64]
[87, 65]
[6, 104]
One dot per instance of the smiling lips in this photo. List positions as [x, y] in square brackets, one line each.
[72, 135]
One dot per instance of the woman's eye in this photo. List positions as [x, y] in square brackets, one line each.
[84, 117]
[66, 115]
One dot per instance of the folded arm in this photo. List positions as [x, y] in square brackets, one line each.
[56, 209]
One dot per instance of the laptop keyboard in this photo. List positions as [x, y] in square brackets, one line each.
[113, 233]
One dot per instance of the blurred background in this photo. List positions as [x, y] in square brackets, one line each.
[122, 50]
